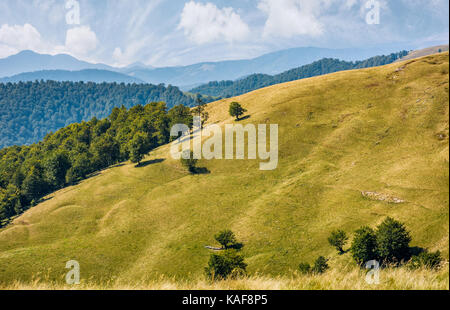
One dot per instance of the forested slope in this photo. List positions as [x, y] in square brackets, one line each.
[30, 110]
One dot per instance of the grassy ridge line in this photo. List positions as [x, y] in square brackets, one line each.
[340, 134]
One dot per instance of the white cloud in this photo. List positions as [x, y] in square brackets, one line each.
[16, 38]
[130, 53]
[288, 18]
[203, 23]
[80, 40]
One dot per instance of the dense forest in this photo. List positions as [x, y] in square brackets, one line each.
[28, 173]
[227, 89]
[30, 110]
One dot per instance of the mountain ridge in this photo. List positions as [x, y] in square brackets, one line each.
[195, 74]
[85, 75]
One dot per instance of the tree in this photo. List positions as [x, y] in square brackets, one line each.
[392, 241]
[364, 245]
[34, 187]
[80, 168]
[138, 147]
[180, 114]
[221, 266]
[236, 110]
[320, 265]
[226, 238]
[338, 239]
[189, 162]
[106, 151]
[9, 201]
[200, 111]
[55, 168]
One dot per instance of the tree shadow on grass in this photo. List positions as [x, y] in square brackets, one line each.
[237, 246]
[201, 170]
[243, 118]
[415, 250]
[149, 162]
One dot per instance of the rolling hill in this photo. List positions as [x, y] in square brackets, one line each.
[425, 52]
[383, 130]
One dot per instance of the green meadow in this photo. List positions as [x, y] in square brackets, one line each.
[383, 130]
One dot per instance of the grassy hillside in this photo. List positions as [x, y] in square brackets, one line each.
[383, 130]
[425, 52]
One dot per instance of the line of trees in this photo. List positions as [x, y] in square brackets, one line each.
[28, 173]
[226, 89]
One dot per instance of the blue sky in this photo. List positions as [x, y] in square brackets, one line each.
[181, 32]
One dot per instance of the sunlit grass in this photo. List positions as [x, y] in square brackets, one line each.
[377, 130]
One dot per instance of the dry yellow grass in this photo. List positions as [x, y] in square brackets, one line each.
[350, 278]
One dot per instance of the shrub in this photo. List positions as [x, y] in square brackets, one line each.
[392, 241]
[431, 260]
[226, 238]
[320, 265]
[304, 268]
[338, 239]
[229, 263]
[364, 246]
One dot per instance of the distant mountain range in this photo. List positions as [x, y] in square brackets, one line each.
[87, 75]
[29, 61]
[65, 67]
[187, 77]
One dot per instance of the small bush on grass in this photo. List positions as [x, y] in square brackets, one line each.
[224, 265]
[430, 260]
[319, 267]
[364, 245]
[304, 268]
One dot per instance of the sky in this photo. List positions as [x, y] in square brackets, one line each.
[181, 32]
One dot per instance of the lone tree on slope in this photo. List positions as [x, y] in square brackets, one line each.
[236, 110]
[338, 239]
[200, 110]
